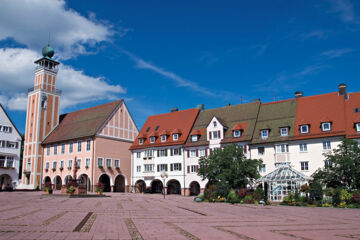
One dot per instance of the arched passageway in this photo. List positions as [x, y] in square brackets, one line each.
[68, 179]
[104, 179]
[156, 186]
[173, 187]
[194, 188]
[84, 180]
[58, 183]
[140, 186]
[119, 185]
[5, 182]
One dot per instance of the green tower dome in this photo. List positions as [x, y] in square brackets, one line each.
[47, 51]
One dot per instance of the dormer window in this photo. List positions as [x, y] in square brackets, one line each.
[215, 123]
[326, 126]
[163, 138]
[215, 134]
[264, 134]
[358, 127]
[236, 133]
[141, 141]
[304, 129]
[175, 137]
[284, 131]
[152, 139]
[194, 138]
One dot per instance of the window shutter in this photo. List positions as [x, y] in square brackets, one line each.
[197, 152]
[206, 152]
[245, 148]
[180, 167]
[219, 136]
[209, 135]
[171, 152]
[180, 151]
[188, 153]
[158, 153]
[171, 167]
[166, 152]
[158, 168]
[210, 150]
[188, 169]
[10, 129]
[17, 145]
[197, 168]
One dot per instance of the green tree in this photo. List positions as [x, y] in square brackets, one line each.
[343, 168]
[229, 167]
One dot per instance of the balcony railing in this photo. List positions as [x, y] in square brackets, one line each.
[54, 69]
[33, 88]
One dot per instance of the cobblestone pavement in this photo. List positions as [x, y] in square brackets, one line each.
[31, 215]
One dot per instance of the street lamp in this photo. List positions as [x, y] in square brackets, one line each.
[164, 175]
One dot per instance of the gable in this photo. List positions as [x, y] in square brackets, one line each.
[6, 121]
[120, 125]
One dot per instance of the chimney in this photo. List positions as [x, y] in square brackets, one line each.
[228, 104]
[175, 109]
[298, 94]
[201, 107]
[256, 100]
[342, 90]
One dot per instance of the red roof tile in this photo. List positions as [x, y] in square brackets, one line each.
[181, 121]
[352, 116]
[240, 126]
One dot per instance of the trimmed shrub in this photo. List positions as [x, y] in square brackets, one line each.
[248, 198]
[232, 197]
[242, 192]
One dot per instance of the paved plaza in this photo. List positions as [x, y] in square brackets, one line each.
[31, 215]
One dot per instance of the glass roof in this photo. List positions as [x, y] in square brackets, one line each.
[284, 173]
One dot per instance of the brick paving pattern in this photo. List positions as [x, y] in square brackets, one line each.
[31, 215]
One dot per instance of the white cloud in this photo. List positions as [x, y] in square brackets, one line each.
[17, 75]
[318, 34]
[29, 22]
[335, 53]
[346, 11]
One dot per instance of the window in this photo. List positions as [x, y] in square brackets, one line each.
[163, 153]
[100, 162]
[194, 138]
[328, 164]
[141, 141]
[237, 133]
[10, 162]
[194, 168]
[147, 129]
[264, 134]
[138, 168]
[152, 139]
[304, 129]
[79, 146]
[261, 150]
[148, 153]
[282, 148]
[55, 149]
[108, 162]
[175, 167]
[326, 126]
[162, 167]
[192, 153]
[2, 161]
[358, 127]
[54, 165]
[48, 150]
[303, 147]
[62, 164]
[157, 128]
[70, 163]
[63, 148]
[163, 138]
[2, 143]
[28, 166]
[326, 145]
[176, 151]
[138, 155]
[88, 145]
[262, 168]
[175, 137]
[304, 166]
[214, 123]
[117, 163]
[215, 135]
[356, 110]
[78, 162]
[5, 129]
[148, 167]
[202, 152]
[71, 145]
[87, 162]
[284, 132]
[47, 165]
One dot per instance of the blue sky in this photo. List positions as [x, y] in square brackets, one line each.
[163, 54]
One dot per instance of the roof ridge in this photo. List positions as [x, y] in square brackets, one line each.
[86, 109]
[168, 113]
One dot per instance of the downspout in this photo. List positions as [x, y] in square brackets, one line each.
[41, 169]
[183, 150]
[92, 164]
[132, 173]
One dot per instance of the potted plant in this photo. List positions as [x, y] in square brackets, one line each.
[69, 168]
[61, 168]
[54, 169]
[109, 167]
[99, 188]
[117, 168]
[47, 188]
[100, 166]
[46, 170]
[86, 166]
[70, 190]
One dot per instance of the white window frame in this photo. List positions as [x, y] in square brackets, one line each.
[55, 149]
[87, 162]
[237, 133]
[177, 168]
[175, 137]
[138, 154]
[214, 123]
[201, 152]
[162, 167]
[78, 162]
[54, 165]
[101, 161]
[193, 153]
[358, 127]
[303, 147]
[47, 165]
[117, 163]
[148, 153]
[306, 130]
[327, 128]
[282, 148]
[194, 138]
[214, 135]
[177, 151]
[163, 138]
[162, 152]
[284, 131]
[304, 166]
[152, 139]
[70, 163]
[48, 149]
[138, 168]
[71, 147]
[141, 141]
[193, 168]
[148, 167]
[262, 168]
[88, 145]
[326, 145]
[79, 146]
[62, 148]
[264, 134]
[108, 160]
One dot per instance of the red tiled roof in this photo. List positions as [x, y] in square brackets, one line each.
[180, 121]
[164, 132]
[153, 134]
[240, 126]
[352, 117]
[176, 130]
[82, 123]
[316, 109]
[195, 132]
